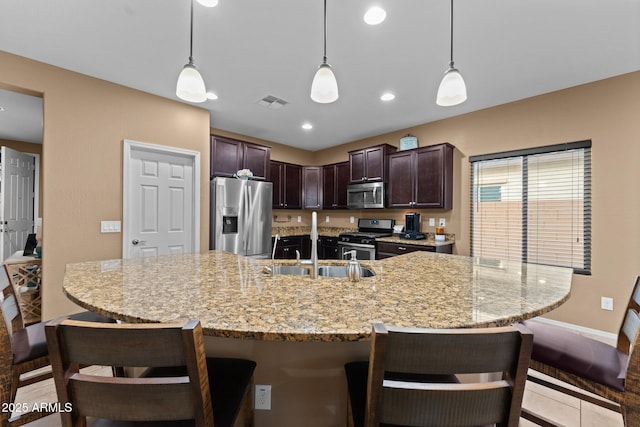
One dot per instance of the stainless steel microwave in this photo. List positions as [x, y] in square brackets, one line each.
[369, 195]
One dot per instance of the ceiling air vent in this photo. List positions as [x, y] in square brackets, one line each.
[273, 102]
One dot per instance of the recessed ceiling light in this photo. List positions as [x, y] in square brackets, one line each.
[387, 96]
[211, 95]
[307, 126]
[1, 108]
[375, 15]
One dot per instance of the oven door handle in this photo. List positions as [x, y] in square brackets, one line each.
[356, 245]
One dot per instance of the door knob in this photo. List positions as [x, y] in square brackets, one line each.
[136, 242]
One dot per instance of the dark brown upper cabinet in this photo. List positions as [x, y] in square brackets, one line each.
[312, 187]
[421, 178]
[229, 155]
[287, 185]
[370, 164]
[335, 178]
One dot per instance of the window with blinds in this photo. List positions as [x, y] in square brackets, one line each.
[533, 206]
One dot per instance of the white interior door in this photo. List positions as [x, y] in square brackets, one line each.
[161, 200]
[17, 189]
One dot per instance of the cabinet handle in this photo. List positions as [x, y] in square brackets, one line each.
[402, 248]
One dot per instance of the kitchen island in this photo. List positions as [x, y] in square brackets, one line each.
[301, 331]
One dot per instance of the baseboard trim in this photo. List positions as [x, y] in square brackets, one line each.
[579, 329]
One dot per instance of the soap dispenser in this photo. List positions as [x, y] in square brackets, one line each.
[354, 272]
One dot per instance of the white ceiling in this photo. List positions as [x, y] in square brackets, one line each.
[247, 49]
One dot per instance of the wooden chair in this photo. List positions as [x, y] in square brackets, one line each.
[22, 351]
[180, 387]
[24, 357]
[26, 278]
[410, 379]
[613, 373]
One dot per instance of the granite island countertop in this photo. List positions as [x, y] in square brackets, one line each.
[233, 297]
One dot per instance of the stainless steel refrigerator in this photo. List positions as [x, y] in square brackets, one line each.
[241, 216]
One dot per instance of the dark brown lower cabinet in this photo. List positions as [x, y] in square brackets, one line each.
[386, 249]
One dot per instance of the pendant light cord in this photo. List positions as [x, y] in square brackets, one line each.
[325, 33]
[451, 30]
[191, 37]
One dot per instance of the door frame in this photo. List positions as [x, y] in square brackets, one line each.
[131, 145]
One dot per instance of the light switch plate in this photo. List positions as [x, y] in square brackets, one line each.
[299, 218]
[110, 226]
[352, 219]
[326, 219]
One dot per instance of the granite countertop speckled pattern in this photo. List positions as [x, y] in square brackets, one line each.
[233, 297]
[429, 241]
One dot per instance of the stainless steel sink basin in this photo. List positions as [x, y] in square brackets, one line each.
[341, 271]
[290, 270]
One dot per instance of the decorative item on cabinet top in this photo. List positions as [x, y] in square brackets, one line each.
[408, 142]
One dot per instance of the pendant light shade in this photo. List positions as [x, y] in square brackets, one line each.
[190, 86]
[324, 88]
[452, 90]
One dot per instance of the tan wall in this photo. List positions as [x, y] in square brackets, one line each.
[85, 123]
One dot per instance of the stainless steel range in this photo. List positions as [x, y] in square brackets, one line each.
[363, 241]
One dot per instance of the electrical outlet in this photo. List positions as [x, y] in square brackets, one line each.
[299, 218]
[263, 397]
[441, 222]
[326, 218]
[432, 222]
[606, 303]
[352, 219]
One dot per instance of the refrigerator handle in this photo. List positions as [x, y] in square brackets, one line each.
[249, 202]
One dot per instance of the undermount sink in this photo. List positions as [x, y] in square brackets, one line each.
[290, 270]
[341, 271]
[323, 271]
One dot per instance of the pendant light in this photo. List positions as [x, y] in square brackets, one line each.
[324, 88]
[452, 90]
[190, 85]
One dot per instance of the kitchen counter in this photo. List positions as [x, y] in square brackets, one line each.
[429, 241]
[234, 298]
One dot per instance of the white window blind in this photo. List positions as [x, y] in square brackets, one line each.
[533, 206]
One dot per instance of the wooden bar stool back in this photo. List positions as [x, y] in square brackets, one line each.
[177, 400]
[409, 376]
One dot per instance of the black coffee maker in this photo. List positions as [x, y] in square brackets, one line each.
[412, 227]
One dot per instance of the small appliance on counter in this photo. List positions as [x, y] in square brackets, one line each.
[412, 227]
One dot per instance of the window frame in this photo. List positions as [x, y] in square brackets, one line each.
[525, 154]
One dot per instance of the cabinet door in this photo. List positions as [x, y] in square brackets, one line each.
[374, 163]
[292, 186]
[226, 156]
[434, 176]
[328, 186]
[401, 180]
[341, 182]
[335, 179]
[276, 175]
[312, 187]
[256, 158]
[357, 166]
